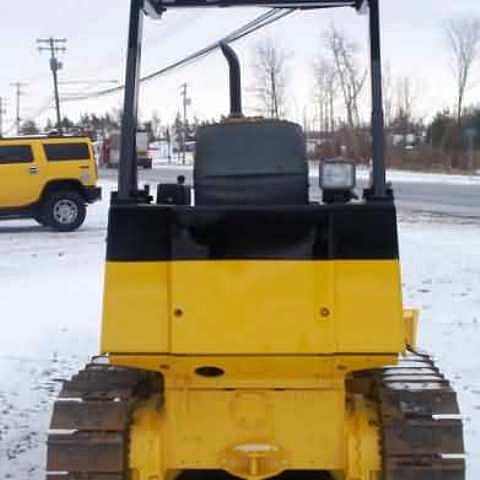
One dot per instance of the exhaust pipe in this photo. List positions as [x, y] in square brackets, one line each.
[235, 80]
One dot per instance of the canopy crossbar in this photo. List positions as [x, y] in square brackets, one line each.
[158, 6]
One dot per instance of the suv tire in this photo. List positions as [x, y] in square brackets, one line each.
[64, 210]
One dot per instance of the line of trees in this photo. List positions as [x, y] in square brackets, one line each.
[339, 76]
[449, 139]
[89, 122]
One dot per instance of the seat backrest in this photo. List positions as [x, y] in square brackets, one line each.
[251, 162]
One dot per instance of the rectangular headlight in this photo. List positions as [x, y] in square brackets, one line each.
[337, 175]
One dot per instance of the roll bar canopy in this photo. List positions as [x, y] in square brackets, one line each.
[127, 182]
[156, 7]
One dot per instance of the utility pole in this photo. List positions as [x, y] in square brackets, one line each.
[54, 46]
[186, 103]
[18, 87]
[3, 111]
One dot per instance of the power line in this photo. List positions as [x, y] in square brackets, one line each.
[266, 19]
[263, 20]
[86, 82]
[54, 46]
[46, 106]
[40, 111]
[87, 87]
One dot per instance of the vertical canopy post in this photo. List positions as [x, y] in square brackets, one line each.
[378, 127]
[127, 179]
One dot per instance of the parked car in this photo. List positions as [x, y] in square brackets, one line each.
[50, 179]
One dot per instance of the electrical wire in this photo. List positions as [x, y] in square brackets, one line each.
[40, 111]
[232, 37]
[261, 21]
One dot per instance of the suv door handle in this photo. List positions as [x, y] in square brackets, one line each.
[33, 170]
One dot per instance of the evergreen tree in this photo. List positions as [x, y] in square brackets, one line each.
[29, 127]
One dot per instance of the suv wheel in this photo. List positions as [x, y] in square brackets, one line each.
[64, 211]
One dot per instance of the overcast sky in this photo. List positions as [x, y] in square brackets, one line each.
[413, 45]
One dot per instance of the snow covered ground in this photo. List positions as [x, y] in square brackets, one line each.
[400, 176]
[404, 176]
[50, 302]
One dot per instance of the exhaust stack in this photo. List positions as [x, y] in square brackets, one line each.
[235, 80]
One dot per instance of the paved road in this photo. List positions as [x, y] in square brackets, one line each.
[455, 199]
[443, 198]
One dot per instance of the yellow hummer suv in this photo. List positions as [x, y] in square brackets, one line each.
[50, 179]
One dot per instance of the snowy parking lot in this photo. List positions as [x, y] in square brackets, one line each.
[50, 307]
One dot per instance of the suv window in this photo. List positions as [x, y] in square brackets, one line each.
[66, 151]
[15, 154]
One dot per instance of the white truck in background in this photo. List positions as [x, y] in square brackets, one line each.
[112, 150]
[143, 158]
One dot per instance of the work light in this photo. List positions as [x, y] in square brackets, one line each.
[337, 174]
[337, 180]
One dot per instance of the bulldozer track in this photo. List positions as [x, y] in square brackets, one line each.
[91, 420]
[420, 429]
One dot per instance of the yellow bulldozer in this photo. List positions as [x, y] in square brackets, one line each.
[248, 331]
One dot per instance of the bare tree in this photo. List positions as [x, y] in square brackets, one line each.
[350, 75]
[270, 78]
[325, 92]
[156, 124]
[405, 104]
[388, 95]
[463, 35]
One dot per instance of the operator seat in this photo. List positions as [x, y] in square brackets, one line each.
[251, 162]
